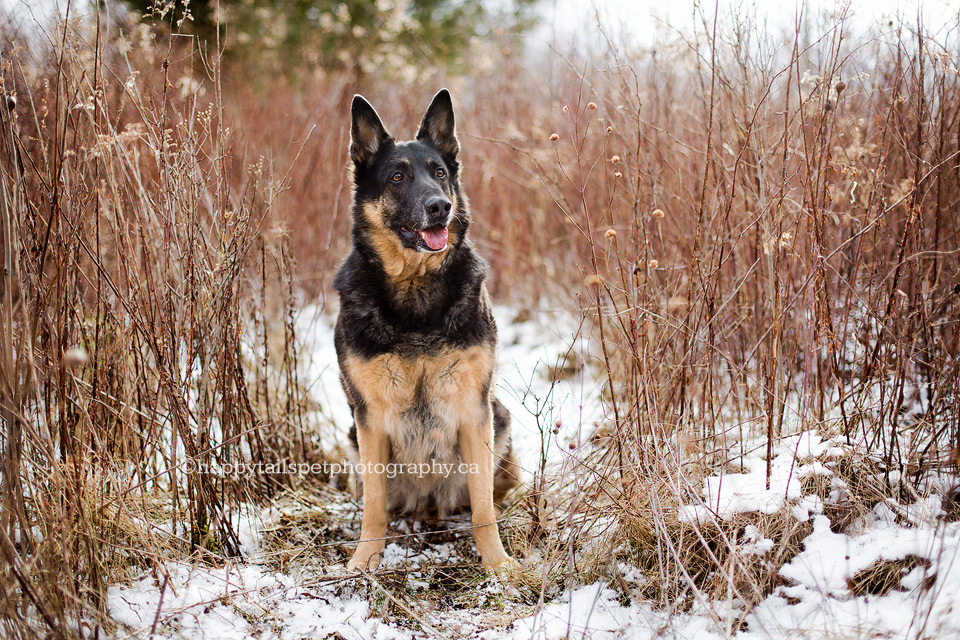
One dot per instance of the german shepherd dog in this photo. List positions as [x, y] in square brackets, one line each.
[416, 341]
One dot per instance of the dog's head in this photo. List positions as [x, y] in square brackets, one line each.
[408, 193]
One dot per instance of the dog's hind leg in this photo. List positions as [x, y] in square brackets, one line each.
[374, 455]
[507, 472]
[476, 450]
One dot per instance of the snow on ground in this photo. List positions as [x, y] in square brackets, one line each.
[238, 601]
[820, 604]
[729, 494]
[818, 600]
[815, 600]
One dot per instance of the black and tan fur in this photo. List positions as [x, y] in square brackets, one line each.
[415, 336]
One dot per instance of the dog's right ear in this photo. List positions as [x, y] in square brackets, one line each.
[366, 132]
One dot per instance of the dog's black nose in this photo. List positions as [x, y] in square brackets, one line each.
[437, 207]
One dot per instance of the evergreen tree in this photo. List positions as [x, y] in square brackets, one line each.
[358, 35]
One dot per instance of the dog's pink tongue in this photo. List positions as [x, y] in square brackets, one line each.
[435, 237]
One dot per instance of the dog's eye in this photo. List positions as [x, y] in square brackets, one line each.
[441, 173]
[397, 177]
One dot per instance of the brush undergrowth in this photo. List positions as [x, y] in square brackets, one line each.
[768, 247]
[147, 338]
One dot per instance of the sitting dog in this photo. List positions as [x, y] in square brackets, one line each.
[416, 340]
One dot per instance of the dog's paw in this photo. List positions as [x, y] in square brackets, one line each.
[337, 571]
[364, 561]
[525, 579]
[505, 566]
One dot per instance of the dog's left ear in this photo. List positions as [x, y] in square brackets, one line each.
[438, 125]
[367, 133]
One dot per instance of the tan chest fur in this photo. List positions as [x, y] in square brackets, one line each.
[421, 402]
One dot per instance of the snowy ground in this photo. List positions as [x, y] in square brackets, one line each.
[817, 597]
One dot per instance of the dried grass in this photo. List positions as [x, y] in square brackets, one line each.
[134, 259]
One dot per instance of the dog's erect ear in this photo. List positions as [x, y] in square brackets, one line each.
[366, 131]
[438, 126]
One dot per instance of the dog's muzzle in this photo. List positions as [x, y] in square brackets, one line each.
[433, 237]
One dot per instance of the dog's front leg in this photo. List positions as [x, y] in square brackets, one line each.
[476, 450]
[374, 455]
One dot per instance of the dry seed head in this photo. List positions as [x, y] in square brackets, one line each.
[687, 443]
[654, 264]
[593, 280]
[611, 233]
[591, 105]
[657, 213]
[554, 136]
[617, 174]
[614, 159]
[676, 303]
[609, 129]
[565, 108]
[75, 356]
[279, 231]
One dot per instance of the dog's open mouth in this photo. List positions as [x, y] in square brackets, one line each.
[430, 239]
